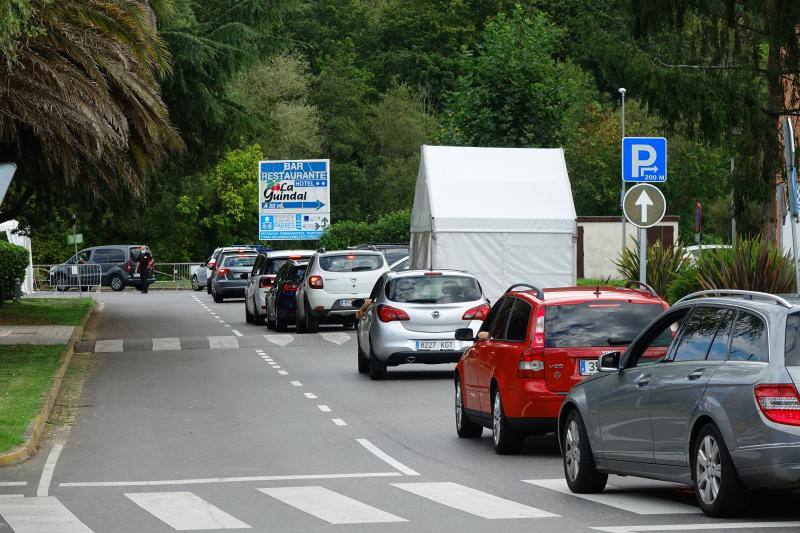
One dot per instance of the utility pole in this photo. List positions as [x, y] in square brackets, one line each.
[733, 208]
[622, 171]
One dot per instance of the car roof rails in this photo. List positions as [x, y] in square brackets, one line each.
[539, 292]
[750, 295]
[633, 283]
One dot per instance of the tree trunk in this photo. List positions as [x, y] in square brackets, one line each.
[775, 106]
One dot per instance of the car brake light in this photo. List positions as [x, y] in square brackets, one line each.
[295, 257]
[388, 313]
[531, 364]
[433, 273]
[128, 266]
[222, 271]
[315, 282]
[779, 403]
[477, 313]
[538, 328]
[265, 282]
[289, 287]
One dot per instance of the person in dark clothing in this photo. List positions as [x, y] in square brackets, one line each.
[143, 266]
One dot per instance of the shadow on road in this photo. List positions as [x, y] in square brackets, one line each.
[399, 375]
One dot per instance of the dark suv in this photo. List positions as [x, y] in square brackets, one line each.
[117, 270]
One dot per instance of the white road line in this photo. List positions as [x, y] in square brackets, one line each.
[275, 366]
[310, 395]
[184, 511]
[237, 333]
[634, 500]
[105, 346]
[166, 343]
[226, 342]
[280, 340]
[473, 501]
[296, 384]
[13, 483]
[324, 408]
[12, 495]
[40, 515]
[386, 458]
[283, 372]
[698, 527]
[330, 506]
[201, 481]
[338, 421]
[335, 337]
[49, 468]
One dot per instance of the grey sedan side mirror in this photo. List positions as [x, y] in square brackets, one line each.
[609, 362]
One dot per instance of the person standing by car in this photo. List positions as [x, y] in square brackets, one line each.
[143, 266]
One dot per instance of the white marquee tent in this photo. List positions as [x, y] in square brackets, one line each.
[9, 229]
[504, 214]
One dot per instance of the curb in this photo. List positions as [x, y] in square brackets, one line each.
[35, 432]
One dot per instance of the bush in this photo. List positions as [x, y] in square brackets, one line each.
[392, 227]
[13, 262]
[754, 264]
[663, 265]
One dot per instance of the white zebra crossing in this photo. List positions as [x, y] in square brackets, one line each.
[335, 337]
[185, 511]
[223, 343]
[330, 506]
[280, 340]
[39, 515]
[166, 343]
[107, 346]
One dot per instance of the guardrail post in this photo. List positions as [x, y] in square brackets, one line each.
[2, 294]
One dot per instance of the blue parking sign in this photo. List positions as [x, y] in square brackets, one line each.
[644, 159]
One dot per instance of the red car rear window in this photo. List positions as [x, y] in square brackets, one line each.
[598, 323]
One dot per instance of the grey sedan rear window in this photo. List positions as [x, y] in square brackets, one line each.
[749, 342]
[350, 262]
[433, 289]
[239, 260]
[793, 340]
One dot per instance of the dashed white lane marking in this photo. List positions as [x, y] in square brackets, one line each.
[228, 326]
[220, 343]
[324, 408]
[698, 527]
[386, 458]
[296, 384]
[100, 307]
[283, 372]
[330, 506]
[274, 366]
[40, 515]
[166, 343]
[114, 345]
[473, 501]
[202, 481]
[13, 483]
[49, 468]
[335, 337]
[633, 500]
[221, 321]
[338, 421]
[280, 340]
[237, 333]
[184, 511]
[310, 395]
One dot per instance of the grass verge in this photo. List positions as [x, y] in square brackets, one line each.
[45, 312]
[26, 372]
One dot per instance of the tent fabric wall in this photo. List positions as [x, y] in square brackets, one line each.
[9, 228]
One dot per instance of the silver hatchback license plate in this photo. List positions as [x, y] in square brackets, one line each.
[430, 346]
[588, 367]
[345, 302]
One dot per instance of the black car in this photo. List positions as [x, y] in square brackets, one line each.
[393, 252]
[281, 306]
[117, 268]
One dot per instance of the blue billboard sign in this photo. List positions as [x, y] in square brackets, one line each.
[294, 199]
[644, 159]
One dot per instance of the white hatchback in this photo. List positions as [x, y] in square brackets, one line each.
[332, 281]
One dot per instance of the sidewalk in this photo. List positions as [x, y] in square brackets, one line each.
[35, 334]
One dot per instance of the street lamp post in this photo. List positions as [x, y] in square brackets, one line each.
[622, 171]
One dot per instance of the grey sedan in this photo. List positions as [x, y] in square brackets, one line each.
[705, 396]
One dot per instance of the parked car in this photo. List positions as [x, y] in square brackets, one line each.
[117, 267]
[393, 252]
[333, 280]
[200, 276]
[412, 318]
[261, 279]
[231, 274]
[281, 301]
[534, 346]
[211, 265]
[401, 264]
[691, 253]
[714, 406]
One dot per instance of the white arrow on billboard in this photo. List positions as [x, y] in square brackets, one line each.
[7, 171]
[644, 202]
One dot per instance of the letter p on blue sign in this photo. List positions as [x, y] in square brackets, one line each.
[644, 159]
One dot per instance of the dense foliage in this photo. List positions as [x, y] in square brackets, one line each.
[663, 265]
[13, 262]
[388, 228]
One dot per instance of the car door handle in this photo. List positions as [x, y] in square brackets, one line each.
[642, 380]
[696, 374]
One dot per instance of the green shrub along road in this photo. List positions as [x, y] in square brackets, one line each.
[45, 312]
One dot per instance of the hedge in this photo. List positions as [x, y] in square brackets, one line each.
[389, 228]
[13, 262]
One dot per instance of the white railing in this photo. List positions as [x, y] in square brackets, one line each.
[61, 277]
[82, 277]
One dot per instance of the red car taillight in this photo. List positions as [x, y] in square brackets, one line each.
[388, 313]
[477, 313]
[531, 362]
[289, 287]
[222, 271]
[128, 266]
[315, 282]
[265, 282]
[779, 403]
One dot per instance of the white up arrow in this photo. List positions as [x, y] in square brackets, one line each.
[644, 202]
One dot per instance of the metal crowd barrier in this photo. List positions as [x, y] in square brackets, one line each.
[82, 277]
[60, 277]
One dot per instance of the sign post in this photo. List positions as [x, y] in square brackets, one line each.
[644, 160]
[644, 206]
[791, 182]
[698, 222]
[293, 199]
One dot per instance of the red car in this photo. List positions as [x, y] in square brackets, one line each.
[533, 347]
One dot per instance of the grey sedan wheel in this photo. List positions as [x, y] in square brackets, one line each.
[719, 490]
[195, 285]
[579, 466]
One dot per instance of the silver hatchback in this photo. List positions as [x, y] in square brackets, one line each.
[412, 318]
[705, 396]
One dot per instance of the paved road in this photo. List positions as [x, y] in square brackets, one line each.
[194, 420]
